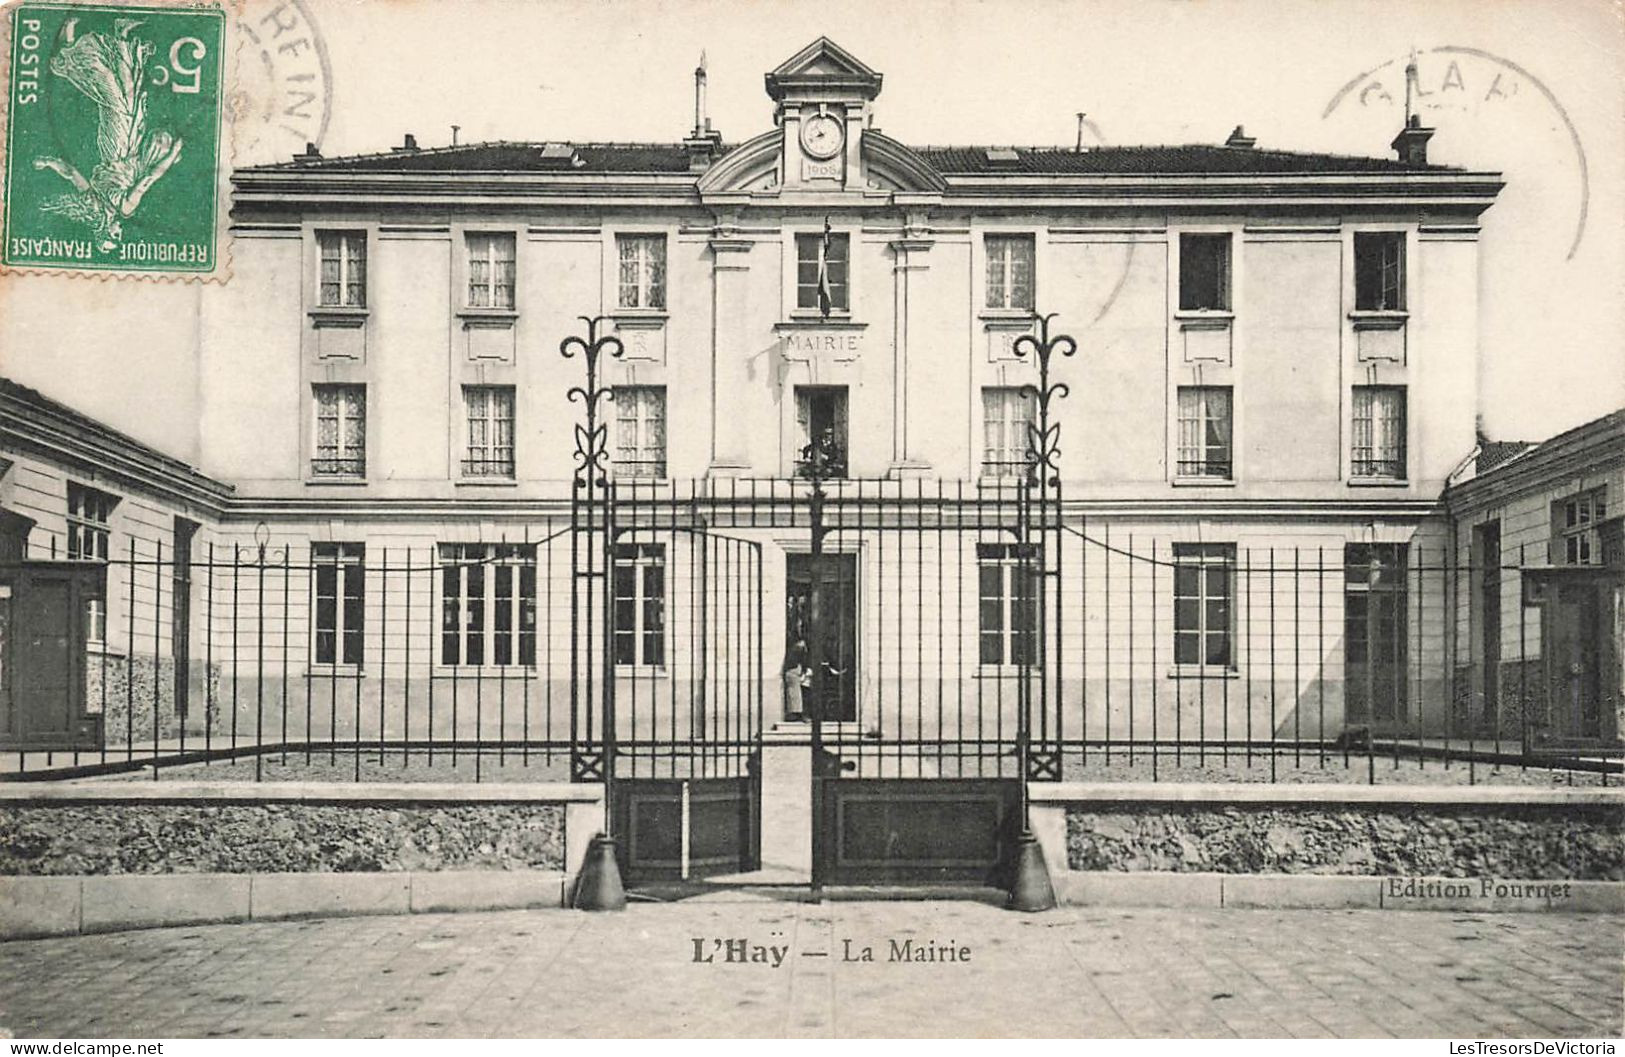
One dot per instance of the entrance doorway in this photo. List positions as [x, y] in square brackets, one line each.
[42, 655]
[833, 695]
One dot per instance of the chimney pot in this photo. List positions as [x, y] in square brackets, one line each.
[1411, 145]
[1239, 138]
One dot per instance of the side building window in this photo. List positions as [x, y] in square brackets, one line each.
[491, 270]
[640, 604]
[1204, 431]
[1204, 593]
[822, 277]
[643, 271]
[342, 282]
[1204, 273]
[90, 516]
[1008, 413]
[340, 587]
[341, 431]
[1576, 539]
[487, 604]
[488, 410]
[640, 431]
[1007, 603]
[1379, 432]
[1010, 271]
[1379, 271]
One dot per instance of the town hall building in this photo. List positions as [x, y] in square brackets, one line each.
[807, 495]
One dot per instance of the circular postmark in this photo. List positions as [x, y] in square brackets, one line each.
[1487, 108]
[283, 93]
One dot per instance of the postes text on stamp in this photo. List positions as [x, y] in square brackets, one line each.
[113, 138]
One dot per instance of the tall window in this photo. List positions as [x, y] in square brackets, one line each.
[489, 411]
[487, 604]
[1204, 587]
[1007, 579]
[490, 270]
[1374, 631]
[1575, 537]
[90, 515]
[1008, 413]
[640, 604]
[822, 272]
[643, 271]
[341, 431]
[340, 602]
[821, 417]
[343, 269]
[1010, 271]
[1204, 431]
[640, 431]
[1379, 431]
[1204, 272]
[1379, 271]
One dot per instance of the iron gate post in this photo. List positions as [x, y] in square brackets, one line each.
[1030, 888]
[598, 885]
[820, 457]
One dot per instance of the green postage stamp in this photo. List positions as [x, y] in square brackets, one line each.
[113, 138]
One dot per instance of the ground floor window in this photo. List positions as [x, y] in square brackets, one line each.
[487, 604]
[1374, 631]
[340, 602]
[1204, 613]
[640, 604]
[1007, 577]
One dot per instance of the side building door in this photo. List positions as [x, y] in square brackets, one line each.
[43, 607]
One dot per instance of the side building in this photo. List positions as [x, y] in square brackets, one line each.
[1540, 598]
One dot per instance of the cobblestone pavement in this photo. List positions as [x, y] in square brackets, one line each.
[1071, 972]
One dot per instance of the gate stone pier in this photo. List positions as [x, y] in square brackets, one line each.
[787, 802]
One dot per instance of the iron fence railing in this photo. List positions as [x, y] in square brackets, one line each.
[1135, 647]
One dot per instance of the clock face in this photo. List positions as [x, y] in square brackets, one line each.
[821, 135]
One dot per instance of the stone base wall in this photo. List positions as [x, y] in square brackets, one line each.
[170, 838]
[1523, 841]
[126, 693]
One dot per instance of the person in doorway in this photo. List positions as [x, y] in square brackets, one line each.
[796, 676]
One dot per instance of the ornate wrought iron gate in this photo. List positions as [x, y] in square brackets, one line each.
[666, 660]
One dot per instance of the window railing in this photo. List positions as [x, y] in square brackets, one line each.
[640, 469]
[345, 466]
[1385, 466]
[1216, 468]
[489, 467]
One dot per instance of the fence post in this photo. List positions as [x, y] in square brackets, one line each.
[598, 886]
[1030, 888]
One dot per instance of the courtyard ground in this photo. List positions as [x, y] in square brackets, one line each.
[1069, 972]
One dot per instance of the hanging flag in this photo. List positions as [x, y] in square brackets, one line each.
[826, 299]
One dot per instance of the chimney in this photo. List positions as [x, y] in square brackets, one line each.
[409, 144]
[1240, 140]
[703, 144]
[310, 153]
[1411, 145]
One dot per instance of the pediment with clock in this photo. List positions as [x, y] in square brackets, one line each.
[823, 143]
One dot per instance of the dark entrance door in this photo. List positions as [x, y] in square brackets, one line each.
[834, 688]
[42, 655]
[1572, 670]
